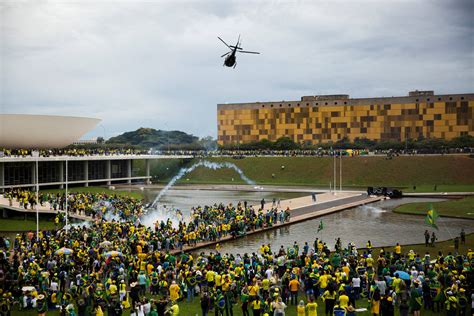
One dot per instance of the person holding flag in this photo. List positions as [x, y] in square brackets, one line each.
[321, 226]
[431, 217]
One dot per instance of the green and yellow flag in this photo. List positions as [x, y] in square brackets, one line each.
[431, 217]
[321, 226]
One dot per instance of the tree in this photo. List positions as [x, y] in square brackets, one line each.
[283, 143]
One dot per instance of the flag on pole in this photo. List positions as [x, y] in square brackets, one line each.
[431, 217]
[321, 226]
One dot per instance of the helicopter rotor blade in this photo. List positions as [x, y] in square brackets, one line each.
[247, 52]
[240, 48]
[225, 54]
[224, 43]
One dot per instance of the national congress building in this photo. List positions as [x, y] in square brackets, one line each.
[324, 118]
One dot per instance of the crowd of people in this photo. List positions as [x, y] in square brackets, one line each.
[319, 152]
[94, 205]
[208, 223]
[118, 264]
[74, 152]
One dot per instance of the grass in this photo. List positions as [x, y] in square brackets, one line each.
[91, 189]
[448, 173]
[445, 247]
[19, 224]
[461, 208]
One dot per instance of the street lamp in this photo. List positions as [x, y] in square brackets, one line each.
[335, 182]
[65, 211]
[35, 154]
[103, 128]
[340, 171]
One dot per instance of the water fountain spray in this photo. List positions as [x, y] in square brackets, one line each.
[202, 163]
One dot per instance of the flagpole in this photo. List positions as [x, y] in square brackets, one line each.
[335, 181]
[340, 171]
[37, 195]
[447, 229]
[66, 213]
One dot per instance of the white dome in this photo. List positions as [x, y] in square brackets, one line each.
[42, 131]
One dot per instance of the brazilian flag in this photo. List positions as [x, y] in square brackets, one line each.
[321, 226]
[431, 217]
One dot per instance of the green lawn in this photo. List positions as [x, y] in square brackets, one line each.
[18, 225]
[448, 173]
[444, 246]
[135, 194]
[440, 188]
[454, 208]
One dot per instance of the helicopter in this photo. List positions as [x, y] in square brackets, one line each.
[230, 59]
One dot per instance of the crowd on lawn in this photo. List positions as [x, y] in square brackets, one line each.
[111, 266]
[74, 152]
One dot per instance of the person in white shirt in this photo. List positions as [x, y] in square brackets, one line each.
[54, 286]
[356, 285]
[269, 273]
[146, 307]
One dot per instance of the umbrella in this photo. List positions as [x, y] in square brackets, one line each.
[64, 251]
[402, 275]
[105, 243]
[113, 254]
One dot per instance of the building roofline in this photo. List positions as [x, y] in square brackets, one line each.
[404, 99]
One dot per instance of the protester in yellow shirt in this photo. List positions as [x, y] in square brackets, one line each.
[300, 309]
[294, 286]
[343, 299]
[312, 307]
[174, 291]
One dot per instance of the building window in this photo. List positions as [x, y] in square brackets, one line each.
[326, 103]
[439, 99]
[263, 105]
[335, 103]
[428, 99]
[417, 100]
[317, 103]
[345, 102]
[307, 104]
[462, 98]
[280, 105]
[271, 105]
[450, 98]
[298, 105]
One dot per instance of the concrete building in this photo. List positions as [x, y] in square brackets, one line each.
[324, 118]
[81, 171]
[42, 131]
[46, 131]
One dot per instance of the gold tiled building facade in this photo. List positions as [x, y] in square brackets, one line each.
[320, 119]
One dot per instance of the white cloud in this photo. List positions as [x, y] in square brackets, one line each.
[156, 64]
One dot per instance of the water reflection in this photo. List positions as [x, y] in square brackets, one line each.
[185, 199]
[375, 222]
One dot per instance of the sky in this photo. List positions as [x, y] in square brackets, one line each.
[157, 63]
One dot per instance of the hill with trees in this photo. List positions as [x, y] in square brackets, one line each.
[152, 138]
